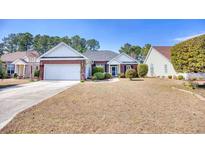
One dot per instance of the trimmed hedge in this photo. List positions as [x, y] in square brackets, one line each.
[37, 73]
[3, 73]
[108, 76]
[170, 76]
[99, 75]
[121, 75]
[180, 77]
[130, 73]
[98, 69]
[189, 56]
[142, 70]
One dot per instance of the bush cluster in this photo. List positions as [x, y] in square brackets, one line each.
[37, 73]
[99, 75]
[142, 70]
[3, 73]
[169, 76]
[189, 56]
[108, 76]
[98, 69]
[130, 73]
[180, 77]
[121, 75]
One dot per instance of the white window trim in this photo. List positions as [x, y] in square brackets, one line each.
[128, 67]
[165, 68]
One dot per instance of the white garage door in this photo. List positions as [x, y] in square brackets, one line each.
[62, 71]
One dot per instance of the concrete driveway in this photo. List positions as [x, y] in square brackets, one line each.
[16, 99]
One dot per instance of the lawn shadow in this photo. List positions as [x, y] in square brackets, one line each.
[2, 87]
[201, 87]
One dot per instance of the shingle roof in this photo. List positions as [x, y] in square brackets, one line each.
[10, 57]
[100, 55]
[164, 50]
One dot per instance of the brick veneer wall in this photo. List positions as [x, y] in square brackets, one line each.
[81, 62]
[122, 67]
[101, 62]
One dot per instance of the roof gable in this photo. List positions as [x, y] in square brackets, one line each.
[62, 50]
[10, 57]
[100, 55]
[164, 50]
[124, 58]
[19, 62]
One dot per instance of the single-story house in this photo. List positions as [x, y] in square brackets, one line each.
[21, 63]
[159, 63]
[65, 63]
[112, 62]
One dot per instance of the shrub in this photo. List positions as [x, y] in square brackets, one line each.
[169, 76]
[108, 75]
[189, 56]
[200, 78]
[180, 77]
[121, 75]
[98, 69]
[15, 75]
[191, 85]
[37, 73]
[193, 78]
[99, 75]
[130, 73]
[94, 78]
[3, 73]
[142, 70]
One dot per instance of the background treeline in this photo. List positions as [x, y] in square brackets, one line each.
[42, 43]
[136, 51]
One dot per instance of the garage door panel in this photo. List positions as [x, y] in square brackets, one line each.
[62, 72]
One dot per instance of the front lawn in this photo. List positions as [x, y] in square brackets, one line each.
[149, 106]
[12, 82]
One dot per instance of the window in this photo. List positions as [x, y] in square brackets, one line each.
[152, 69]
[128, 67]
[10, 69]
[101, 65]
[165, 68]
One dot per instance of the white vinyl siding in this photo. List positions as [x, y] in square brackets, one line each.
[157, 62]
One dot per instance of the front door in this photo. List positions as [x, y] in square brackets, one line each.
[114, 70]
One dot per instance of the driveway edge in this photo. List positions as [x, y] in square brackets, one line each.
[4, 123]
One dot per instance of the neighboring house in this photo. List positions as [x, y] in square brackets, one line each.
[159, 63]
[21, 63]
[65, 63]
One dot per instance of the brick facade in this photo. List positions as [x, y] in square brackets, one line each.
[123, 67]
[81, 62]
[101, 62]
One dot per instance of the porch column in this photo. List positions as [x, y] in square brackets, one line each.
[119, 71]
[16, 69]
[24, 70]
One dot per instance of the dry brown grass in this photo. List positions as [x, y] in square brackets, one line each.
[12, 82]
[149, 106]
